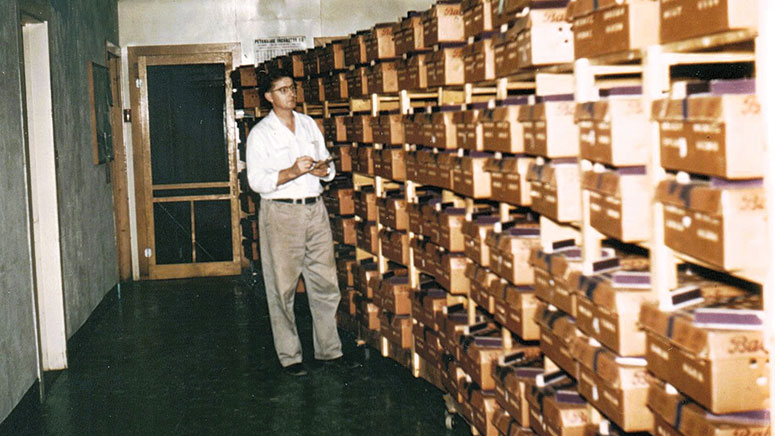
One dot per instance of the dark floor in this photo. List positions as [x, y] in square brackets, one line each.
[195, 357]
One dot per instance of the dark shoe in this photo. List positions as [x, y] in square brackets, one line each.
[296, 370]
[340, 362]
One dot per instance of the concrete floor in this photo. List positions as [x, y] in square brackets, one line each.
[195, 357]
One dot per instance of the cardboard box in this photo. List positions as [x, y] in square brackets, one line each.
[506, 53]
[481, 279]
[720, 223]
[336, 86]
[355, 49]
[368, 314]
[445, 66]
[395, 245]
[613, 120]
[556, 134]
[470, 178]
[334, 129]
[333, 56]
[558, 332]
[366, 236]
[514, 245]
[716, 135]
[244, 76]
[483, 407]
[560, 411]
[394, 293]
[679, 415]
[388, 129]
[343, 230]
[451, 272]
[383, 78]
[443, 130]
[508, 179]
[724, 370]
[525, 117]
[392, 211]
[479, 60]
[365, 202]
[408, 34]
[474, 233]
[608, 306]
[556, 190]
[379, 42]
[684, 19]
[477, 17]
[544, 38]
[396, 328]
[427, 345]
[469, 128]
[359, 129]
[344, 270]
[342, 154]
[357, 82]
[514, 376]
[501, 129]
[619, 202]
[417, 72]
[339, 200]
[619, 389]
[450, 228]
[516, 309]
[618, 28]
[443, 22]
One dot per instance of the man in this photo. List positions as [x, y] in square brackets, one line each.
[286, 161]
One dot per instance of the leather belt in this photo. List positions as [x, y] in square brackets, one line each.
[308, 200]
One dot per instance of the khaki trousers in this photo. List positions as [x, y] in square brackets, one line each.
[296, 240]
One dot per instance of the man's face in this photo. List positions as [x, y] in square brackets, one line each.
[282, 94]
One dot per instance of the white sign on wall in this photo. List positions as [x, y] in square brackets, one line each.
[268, 48]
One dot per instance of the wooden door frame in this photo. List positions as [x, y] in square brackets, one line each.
[118, 166]
[139, 58]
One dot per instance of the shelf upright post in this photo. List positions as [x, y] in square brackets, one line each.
[765, 67]
[656, 82]
[591, 239]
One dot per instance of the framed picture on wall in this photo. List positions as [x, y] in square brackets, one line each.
[101, 100]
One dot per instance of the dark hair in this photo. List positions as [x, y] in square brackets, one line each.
[267, 79]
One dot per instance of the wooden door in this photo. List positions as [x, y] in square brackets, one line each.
[185, 159]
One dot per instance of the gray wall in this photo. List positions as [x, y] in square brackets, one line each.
[78, 30]
[18, 354]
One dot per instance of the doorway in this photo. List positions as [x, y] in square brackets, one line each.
[185, 161]
[43, 204]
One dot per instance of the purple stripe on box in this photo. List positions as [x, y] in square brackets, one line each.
[752, 418]
[564, 161]
[606, 264]
[524, 231]
[697, 88]
[448, 108]
[548, 4]
[741, 86]
[487, 341]
[728, 317]
[555, 97]
[513, 101]
[524, 288]
[685, 295]
[454, 211]
[528, 372]
[479, 154]
[632, 171]
[480, 106]
[716, 182]
[557, 245]
[621, 90]
[569, 397]
[625, 278]
[487, 219]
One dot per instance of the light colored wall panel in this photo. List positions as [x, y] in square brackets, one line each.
[167, 22]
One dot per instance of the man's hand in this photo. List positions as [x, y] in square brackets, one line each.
[321, 168]
[303, 165]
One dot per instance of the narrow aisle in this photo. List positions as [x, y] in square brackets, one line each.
[195, 357]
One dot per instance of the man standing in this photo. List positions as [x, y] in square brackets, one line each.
[286, 160]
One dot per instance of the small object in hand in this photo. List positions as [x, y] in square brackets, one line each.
[321, 163]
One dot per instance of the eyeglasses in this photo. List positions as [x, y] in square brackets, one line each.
[290, 89]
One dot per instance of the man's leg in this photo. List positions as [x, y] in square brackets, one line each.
[282, 256]
[322, 283]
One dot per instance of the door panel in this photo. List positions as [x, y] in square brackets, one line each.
[188, 210]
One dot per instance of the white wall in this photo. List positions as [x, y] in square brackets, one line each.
[167, 22]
